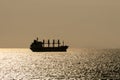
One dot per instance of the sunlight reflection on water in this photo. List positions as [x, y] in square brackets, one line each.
[78, 64]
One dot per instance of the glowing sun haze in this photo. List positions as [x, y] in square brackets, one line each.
[80, 23]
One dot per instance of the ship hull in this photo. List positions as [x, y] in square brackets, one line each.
[50, 49]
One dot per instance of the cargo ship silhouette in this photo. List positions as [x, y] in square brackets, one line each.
[40, 46]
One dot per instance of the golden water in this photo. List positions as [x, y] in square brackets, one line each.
[75, 64]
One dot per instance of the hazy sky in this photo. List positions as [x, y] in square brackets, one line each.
[80, 23]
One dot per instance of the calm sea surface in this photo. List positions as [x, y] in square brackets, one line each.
[75, 64]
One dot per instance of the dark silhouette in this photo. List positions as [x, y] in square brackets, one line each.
[38, 46]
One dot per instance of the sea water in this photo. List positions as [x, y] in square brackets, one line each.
[75, 64]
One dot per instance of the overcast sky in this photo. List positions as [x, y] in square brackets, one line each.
[80, 23]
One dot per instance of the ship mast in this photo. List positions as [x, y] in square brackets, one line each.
[48, 43]
[37, 39]
[58, 43]
[53, 43]
[43, 42]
